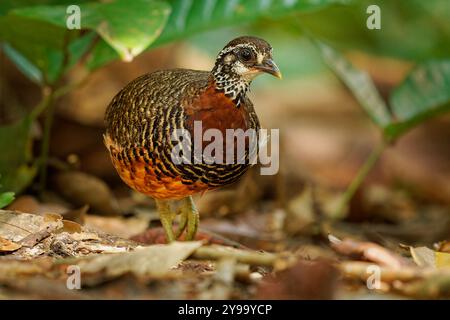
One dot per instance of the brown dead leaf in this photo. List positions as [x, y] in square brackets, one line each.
[71, 227]
[8, 246]
[119, 226]
[80, 189]
[369, 251]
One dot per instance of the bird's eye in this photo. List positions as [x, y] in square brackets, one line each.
[245, 55]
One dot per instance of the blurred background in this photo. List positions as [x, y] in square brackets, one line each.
[56, 84]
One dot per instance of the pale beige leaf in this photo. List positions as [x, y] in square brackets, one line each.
[423, 257]
[15, 226]
[155, 260]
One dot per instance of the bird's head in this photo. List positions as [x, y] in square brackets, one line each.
[240, 61]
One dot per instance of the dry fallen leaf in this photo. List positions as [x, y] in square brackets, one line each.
[425, 257]
[155, 260]
[71, 227]
[15, 226]
[8, 246]
[442, 259]
[369, 251]
[81, 188]
[119, 226]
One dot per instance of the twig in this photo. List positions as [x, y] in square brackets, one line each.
[362, 270]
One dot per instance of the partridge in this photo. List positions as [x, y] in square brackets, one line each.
[142, 118]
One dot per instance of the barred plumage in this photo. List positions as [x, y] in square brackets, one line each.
[140, 121]
[142, 118]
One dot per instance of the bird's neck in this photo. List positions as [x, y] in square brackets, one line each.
[231, 84]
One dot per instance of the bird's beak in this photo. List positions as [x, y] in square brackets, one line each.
[268, 66]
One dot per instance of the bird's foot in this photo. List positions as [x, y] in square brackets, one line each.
[166, 217]
[189, 219]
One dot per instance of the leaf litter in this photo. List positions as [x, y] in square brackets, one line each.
[298, 251]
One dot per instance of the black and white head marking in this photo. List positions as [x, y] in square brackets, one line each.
[233, 71]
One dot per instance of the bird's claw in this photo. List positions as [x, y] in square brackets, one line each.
[189, 219]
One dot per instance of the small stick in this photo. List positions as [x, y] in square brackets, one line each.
[361, 270]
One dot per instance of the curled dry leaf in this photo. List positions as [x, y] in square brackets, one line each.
[359, 270]
[370, 251]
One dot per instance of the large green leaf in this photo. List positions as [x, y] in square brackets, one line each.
[127, 26]
[192, 16]
[15, 144]
[410, 29]
[189, 17]
[6, 198]
[23, 64]
[40, 43]
[359, 82]
[8, 5]
[423, 94]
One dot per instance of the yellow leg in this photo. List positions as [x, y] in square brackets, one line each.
[183, 223]
[190, 213]
[166, 216]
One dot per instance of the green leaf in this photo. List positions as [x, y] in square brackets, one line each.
[345, 26]
[39, 42]
[189, 17]
[15, 171]
[6, 198]
[424, 93]
[8, 5]
[23, 64]
[127, 26]
[359, 83]
[192, 16]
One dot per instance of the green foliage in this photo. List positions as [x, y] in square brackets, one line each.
[15, 170]
[410, 29]
[423, 94]
[6, 198]
[127, 26]
[359, 83]
[33, 34]
[42, 47]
